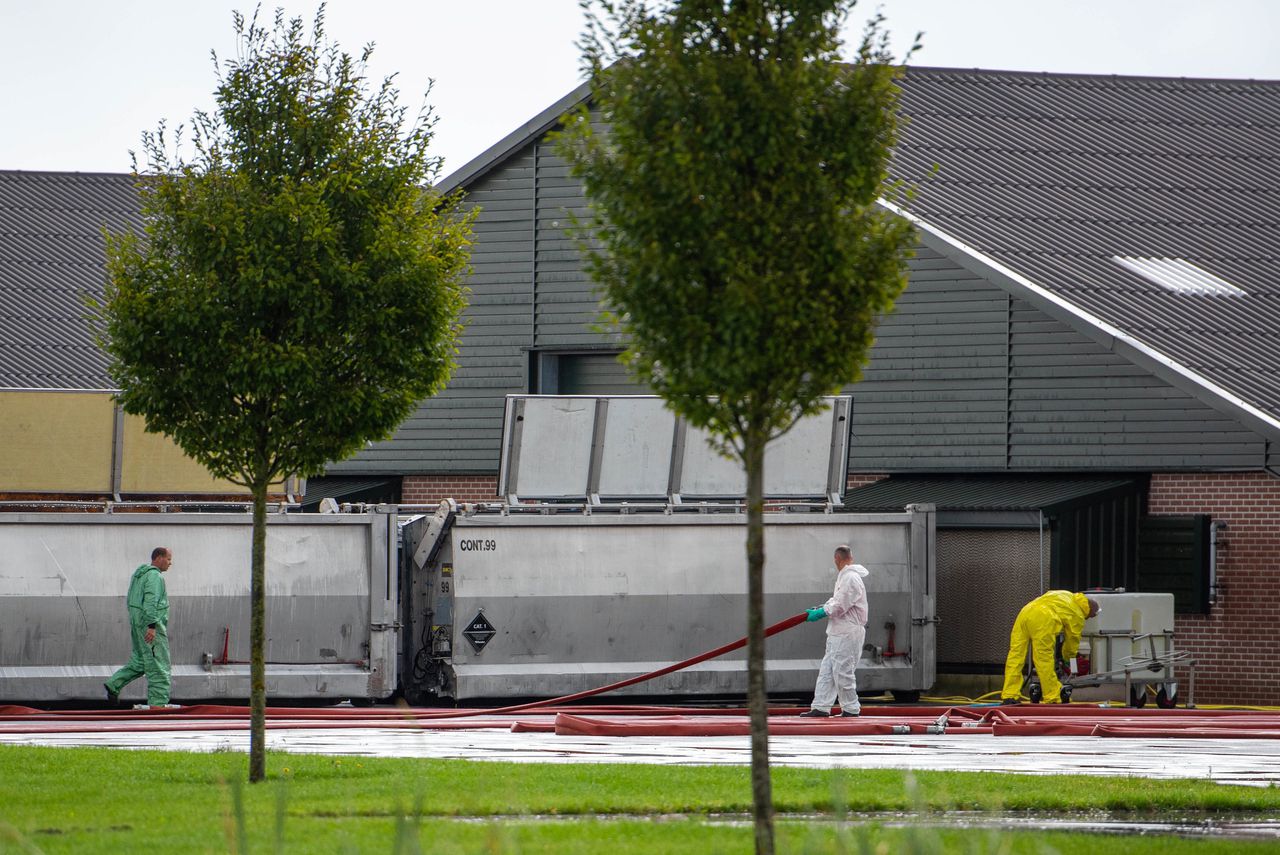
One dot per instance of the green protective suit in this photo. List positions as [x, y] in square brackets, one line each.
[148, 603]
[1038, 625]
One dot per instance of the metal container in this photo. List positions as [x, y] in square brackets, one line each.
[1131, 642]
[332, 591]
[536, 601]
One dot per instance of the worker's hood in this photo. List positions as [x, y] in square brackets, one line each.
[863, 571]
[143, 570]
[1082, 603]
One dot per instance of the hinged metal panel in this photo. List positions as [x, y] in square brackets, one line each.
[632, 447]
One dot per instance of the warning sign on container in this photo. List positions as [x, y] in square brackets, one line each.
[479, 631]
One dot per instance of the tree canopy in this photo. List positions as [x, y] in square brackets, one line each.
[735, 234]
[297, 286]
[733, 196]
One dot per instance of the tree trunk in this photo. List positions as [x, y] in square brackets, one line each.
[757, 697]
[258, 638]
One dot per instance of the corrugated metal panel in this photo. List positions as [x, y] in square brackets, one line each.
[369, 490]
[1089, 526]
[985, 577]
[52, 256]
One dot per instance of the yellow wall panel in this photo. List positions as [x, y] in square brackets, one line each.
[55, 442]
[62, 442]
[153, 464]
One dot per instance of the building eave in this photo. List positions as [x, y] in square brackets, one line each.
[514, 141]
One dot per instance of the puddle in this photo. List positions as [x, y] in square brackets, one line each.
[1217, 826]
[1232, 826]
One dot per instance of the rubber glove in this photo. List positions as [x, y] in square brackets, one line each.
[816, 613]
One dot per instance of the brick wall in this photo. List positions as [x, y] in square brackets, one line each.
[430, 489]
[1237, 645]
[855, 480]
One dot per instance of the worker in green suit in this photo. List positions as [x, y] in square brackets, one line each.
[148, 604]
[1037, 627]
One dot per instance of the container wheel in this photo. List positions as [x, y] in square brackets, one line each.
[1165, 700]
[905, 696]
[1138, 696]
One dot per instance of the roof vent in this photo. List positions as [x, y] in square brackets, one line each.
[1180, 276]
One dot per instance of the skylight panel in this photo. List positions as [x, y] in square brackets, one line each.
[1179, 276]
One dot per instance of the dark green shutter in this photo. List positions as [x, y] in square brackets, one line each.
[1173, 557]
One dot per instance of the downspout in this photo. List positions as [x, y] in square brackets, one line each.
[1214, 527]
[1043, 586]
[117, 452]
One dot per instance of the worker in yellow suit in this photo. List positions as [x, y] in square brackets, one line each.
[1038, 625]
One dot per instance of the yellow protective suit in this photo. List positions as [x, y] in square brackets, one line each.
[1038, 625]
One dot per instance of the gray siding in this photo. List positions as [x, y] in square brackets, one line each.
[528, 291]
[933, 395]
[460, 430]
[964, 377]
[596, 374]
[1074, 404]
[567, 306]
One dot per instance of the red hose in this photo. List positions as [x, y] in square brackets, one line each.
[774, 629]
[794, 620]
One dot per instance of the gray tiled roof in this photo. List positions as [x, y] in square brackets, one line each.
[51, 255]
[1044, 179]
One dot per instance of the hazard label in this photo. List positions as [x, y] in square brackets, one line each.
[479, 631]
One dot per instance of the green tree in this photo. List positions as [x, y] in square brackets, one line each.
[297, 289]
[735, 233]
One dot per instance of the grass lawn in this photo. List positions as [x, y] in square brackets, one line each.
[104, 800]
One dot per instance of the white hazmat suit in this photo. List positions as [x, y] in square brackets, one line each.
[846, 631]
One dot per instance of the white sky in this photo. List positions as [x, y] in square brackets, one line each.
[81, 79]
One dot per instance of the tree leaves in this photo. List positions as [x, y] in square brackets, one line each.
[734, 202]
[298, 287]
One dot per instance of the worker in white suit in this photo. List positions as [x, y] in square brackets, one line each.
[846, 612]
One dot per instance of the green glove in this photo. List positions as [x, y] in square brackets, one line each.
[816, 613]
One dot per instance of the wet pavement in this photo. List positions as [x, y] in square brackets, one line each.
[1232, 761]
